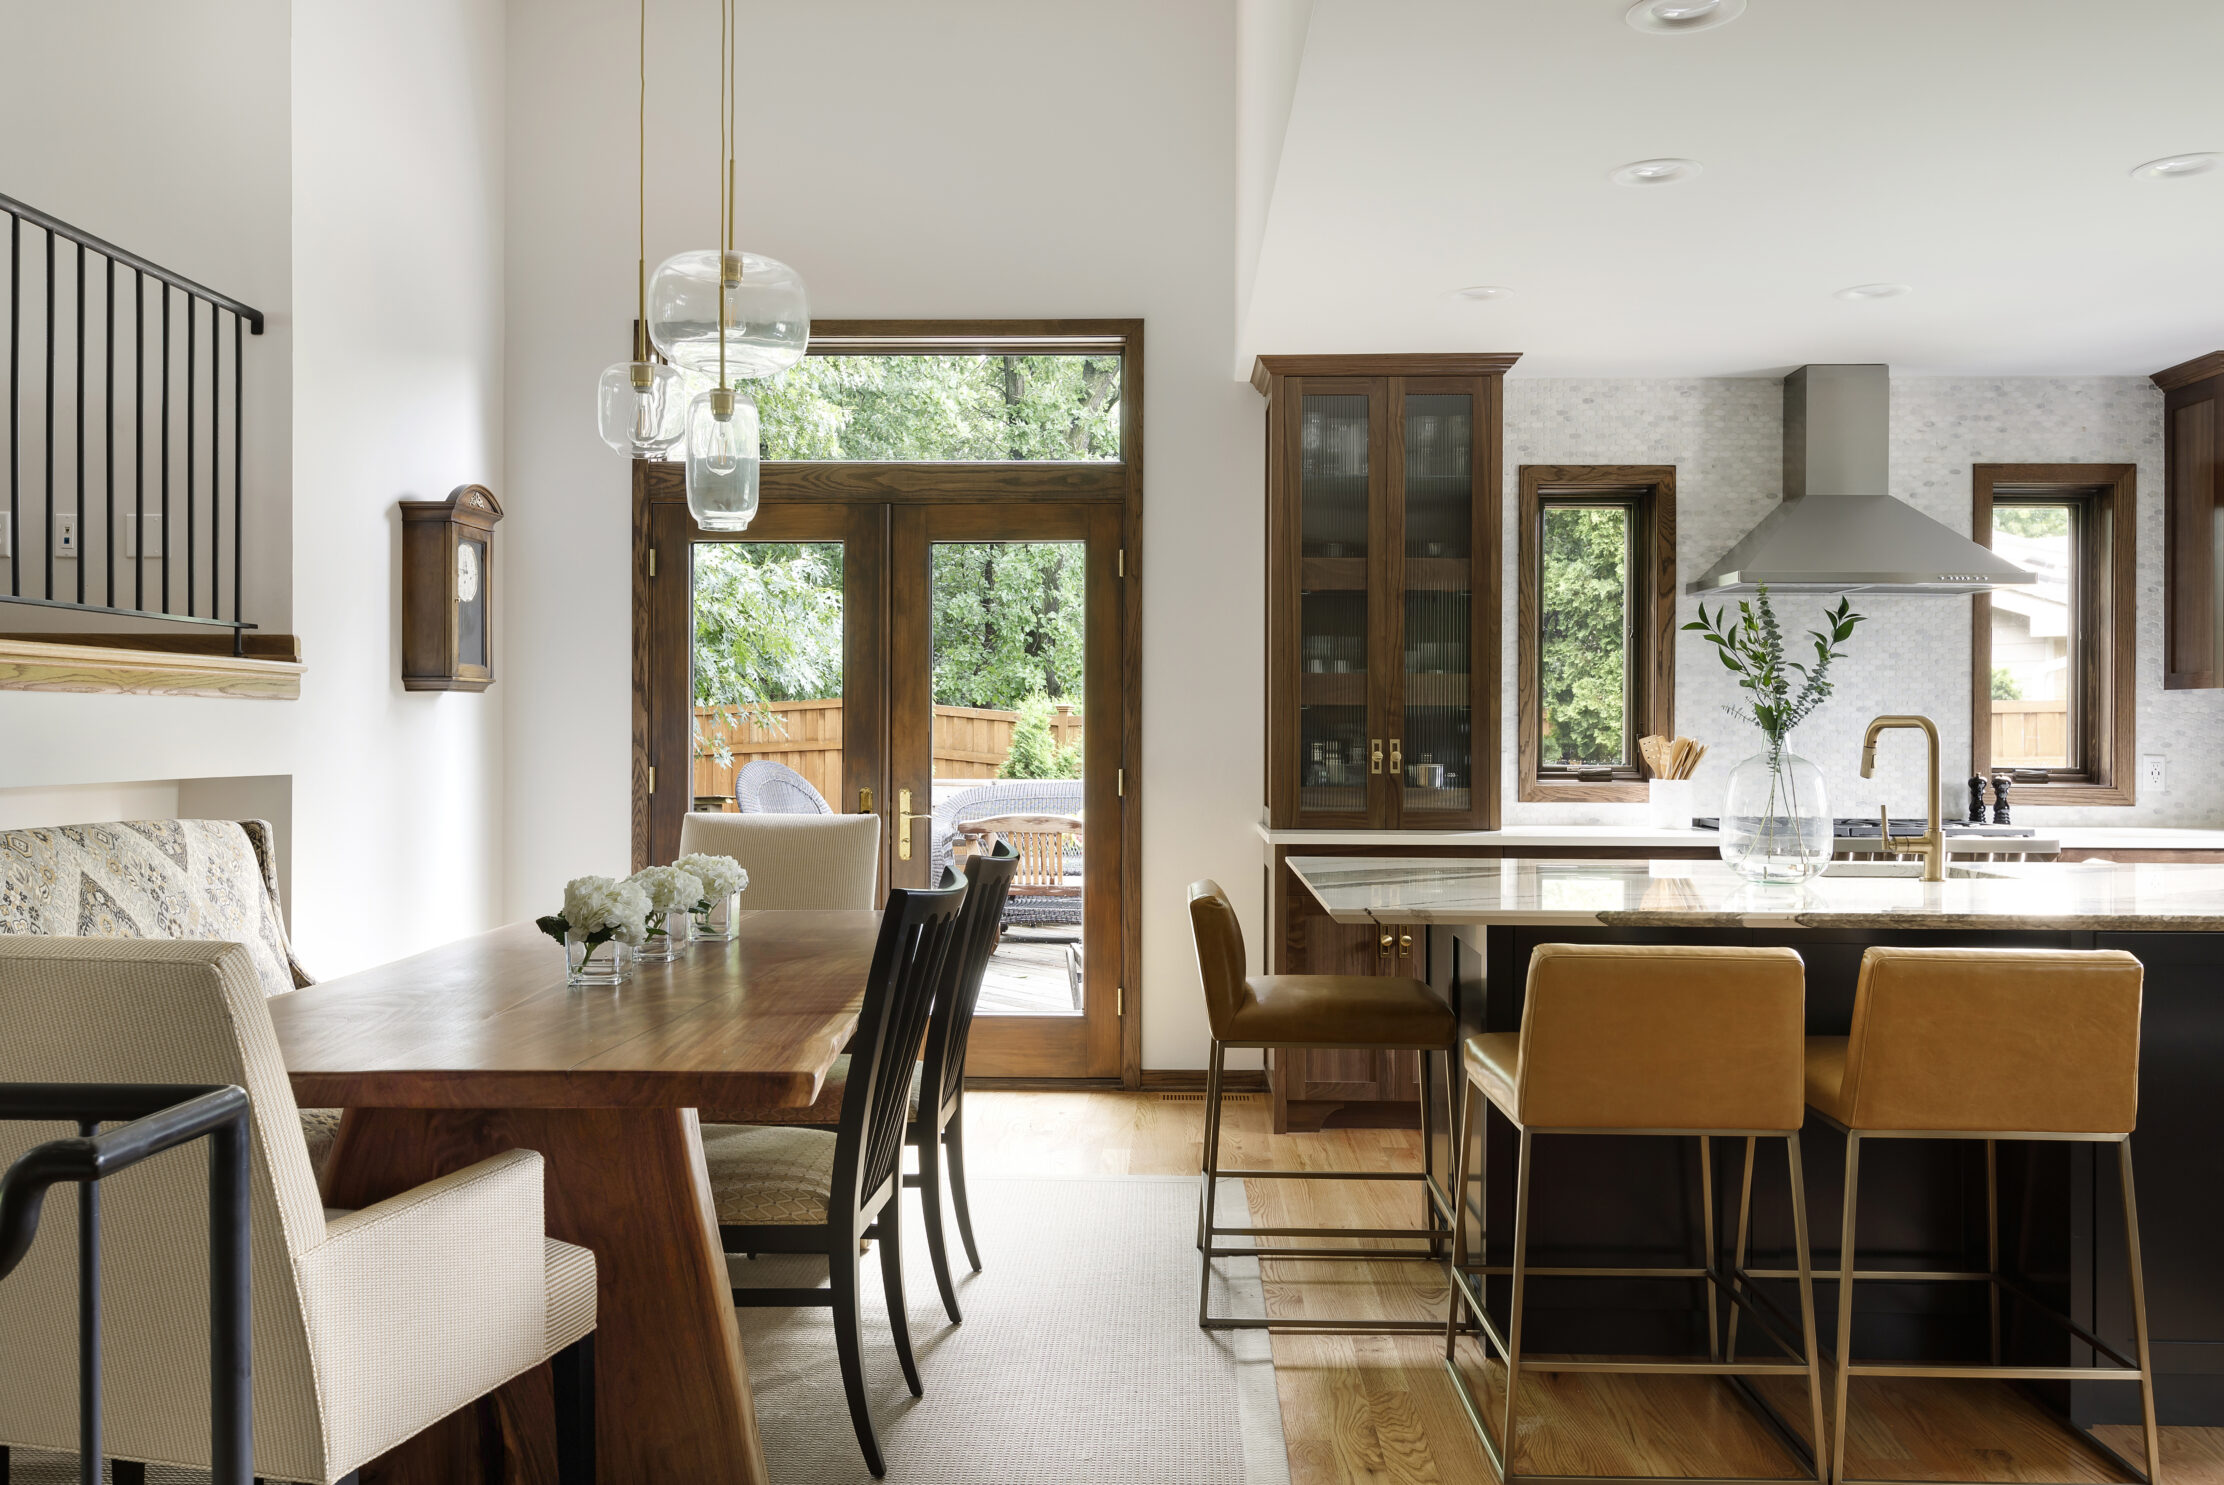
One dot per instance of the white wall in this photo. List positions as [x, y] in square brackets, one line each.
[1725, 437]
[341, 168]
[993, 158]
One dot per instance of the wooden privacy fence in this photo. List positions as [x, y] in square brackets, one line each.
[969, 742]
[2029, 732]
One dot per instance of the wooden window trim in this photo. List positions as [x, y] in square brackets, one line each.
[1653, 489]
[2108, 609]
[659, 486]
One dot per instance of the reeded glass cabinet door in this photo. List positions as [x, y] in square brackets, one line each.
[1334, 459]
[1433, 472]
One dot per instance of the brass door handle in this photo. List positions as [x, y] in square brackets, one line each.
[904, 817]
[1375, 749]
[1405, 946]
[1397, 757]
[1388, 943]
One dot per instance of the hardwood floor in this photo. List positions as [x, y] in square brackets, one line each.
[1368, 1410]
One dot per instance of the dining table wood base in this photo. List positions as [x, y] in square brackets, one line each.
[672, 1395]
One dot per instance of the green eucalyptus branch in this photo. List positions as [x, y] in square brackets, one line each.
[1751, 647]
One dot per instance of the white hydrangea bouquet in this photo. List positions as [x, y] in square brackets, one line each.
[602, 920]
[672, 893]
[717, 911]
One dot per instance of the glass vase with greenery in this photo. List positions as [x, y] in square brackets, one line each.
[1775, 824]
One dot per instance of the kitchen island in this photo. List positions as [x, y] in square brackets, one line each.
[1472, 925]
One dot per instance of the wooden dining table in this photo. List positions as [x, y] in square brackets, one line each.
[476, 1047]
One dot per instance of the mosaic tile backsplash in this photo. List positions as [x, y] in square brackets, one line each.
[1724, 436]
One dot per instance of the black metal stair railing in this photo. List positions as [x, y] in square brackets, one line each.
[144, 477]
[161, 1117]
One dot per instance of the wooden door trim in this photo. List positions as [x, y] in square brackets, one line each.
[785, 483]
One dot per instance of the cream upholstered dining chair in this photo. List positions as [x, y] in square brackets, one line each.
[368, 1325]
[206, 879]
[793, 861]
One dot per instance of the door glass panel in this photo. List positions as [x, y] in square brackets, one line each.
[768, 674]
[1332, 605]
[2035, 645]
[1439, 742]
[1008, 628]
[1584, 613]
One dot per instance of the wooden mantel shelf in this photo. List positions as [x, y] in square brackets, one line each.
[153, 665]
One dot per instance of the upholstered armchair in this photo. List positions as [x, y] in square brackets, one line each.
[368, 1325]
[209, 879]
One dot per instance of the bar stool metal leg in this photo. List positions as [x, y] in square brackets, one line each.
[1514, 1311]
[2151, 1439]
[1845, 1306]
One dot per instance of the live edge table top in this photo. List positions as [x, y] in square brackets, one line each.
[487, 1022]
[2094, 895]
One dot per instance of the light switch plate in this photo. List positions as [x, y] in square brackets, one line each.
[65, 536]
[2151, 775]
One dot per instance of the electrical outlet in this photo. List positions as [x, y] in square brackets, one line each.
[65, 536]
[2150, 773]
[142, 537]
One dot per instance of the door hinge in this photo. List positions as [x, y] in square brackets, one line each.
[652, 561]
[652, 778]
[1123, 562]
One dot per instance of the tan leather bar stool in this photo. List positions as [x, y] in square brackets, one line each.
[1372, 1012]
[1644, 1040]
[1990, 1044]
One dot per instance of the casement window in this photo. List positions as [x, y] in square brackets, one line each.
[1597, 613]
[2052, 661]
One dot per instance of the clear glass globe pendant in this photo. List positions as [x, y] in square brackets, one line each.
[767, 314]
[722, 459]
[641, 408]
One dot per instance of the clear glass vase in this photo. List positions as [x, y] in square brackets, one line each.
[1776, 818]
[670, 943]
[716, 922]
[605, 963]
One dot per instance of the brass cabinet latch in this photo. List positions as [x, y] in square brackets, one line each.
[1388, 943]
[1397, 757]
[1375, 751]
[864, 801]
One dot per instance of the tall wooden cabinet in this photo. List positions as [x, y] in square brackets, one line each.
[1383, 554]
[2193, 523]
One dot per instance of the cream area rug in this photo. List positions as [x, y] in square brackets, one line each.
[1079, 1362]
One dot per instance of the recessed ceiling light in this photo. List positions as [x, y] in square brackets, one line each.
[1483, 291]
[1664, 16]
[1655, 172]
[2176, 167]
[1874, 291]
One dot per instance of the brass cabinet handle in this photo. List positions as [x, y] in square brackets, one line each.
[1405, 946]
[904, 817]
[1375, 748]
[1387, 943]
[864, 801]
[1397, 757]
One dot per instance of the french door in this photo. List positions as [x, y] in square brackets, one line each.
[957, 667]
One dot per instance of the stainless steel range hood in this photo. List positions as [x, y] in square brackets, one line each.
[1837, 530]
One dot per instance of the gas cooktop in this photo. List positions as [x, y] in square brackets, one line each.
[1865, 828]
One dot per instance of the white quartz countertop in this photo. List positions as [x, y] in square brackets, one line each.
[2171, 898]
[2047, 840]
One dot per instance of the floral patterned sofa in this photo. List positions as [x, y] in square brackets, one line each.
[210, 879]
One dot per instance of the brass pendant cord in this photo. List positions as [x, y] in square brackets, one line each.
[641, 204]
[726, 153]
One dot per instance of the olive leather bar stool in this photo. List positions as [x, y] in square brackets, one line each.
[1314, 1012]
[1988, 1044]
[1675, 1041]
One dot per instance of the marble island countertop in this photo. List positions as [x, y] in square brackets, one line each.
[1637, 838]
[2159, 898]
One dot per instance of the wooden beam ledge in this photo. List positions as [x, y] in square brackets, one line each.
[117, 664]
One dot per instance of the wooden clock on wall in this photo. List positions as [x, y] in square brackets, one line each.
[447, 591]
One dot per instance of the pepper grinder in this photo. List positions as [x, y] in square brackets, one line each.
[1999, 799]
[1976, 800]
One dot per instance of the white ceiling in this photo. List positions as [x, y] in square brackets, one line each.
[1977, 150]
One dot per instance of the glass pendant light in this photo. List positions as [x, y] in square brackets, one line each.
[722, 448]
[641, 407]
[730, 312]
[722, 459]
